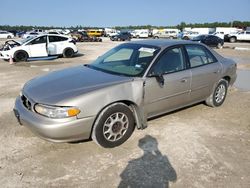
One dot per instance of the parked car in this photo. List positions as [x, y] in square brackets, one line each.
[190, 35]
[84, 37]
[121, 36]
[95, 33]
[6, 35]
[168, 34]
[39, 46]
[240, 36]
[210, 40]
[120, 90]
[28, 35]
[140, 33]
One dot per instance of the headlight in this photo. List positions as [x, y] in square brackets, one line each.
[56, 112]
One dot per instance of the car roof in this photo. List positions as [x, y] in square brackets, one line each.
[162, 43]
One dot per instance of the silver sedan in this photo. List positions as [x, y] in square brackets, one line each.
[107, 99]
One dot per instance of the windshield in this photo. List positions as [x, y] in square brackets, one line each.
[26, 39]
[126, 59]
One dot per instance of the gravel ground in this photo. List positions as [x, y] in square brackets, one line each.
[198, 146]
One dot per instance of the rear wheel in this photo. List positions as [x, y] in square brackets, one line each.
[8, 37]
[68, 52]
[21, 56]
[219, 94]
[114, 126]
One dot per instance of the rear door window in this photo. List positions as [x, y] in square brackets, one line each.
[199, 56]
[57, 39]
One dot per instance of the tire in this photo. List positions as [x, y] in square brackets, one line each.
[219, 46]
[68, 52]
[137, 36]
[185, 38]
[21, 56]
[171, 37]
[8, 37]
[219, 94]
[114, 126]
[232, 39]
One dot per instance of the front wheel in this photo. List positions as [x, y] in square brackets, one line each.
[219, 94]
[113, 126]
[20, 56]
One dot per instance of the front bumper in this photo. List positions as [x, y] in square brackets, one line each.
[4, 55]
[55, 130]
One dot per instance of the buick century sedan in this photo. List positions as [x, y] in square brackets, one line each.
[107, 99]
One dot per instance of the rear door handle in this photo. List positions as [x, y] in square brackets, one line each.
[184, 80]
[216, 72]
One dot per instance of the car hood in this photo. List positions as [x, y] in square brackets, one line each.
[68, 83]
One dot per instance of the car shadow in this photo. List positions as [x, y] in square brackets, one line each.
[151, 170]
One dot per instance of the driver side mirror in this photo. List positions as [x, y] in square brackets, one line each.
[159, 78]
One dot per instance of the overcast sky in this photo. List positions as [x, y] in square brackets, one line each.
[121, 13]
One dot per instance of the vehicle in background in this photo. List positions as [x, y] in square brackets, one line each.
[140, 33]
[222, 31]
[167, 33]
[20, 34]
[95, 33]
[38, 46]
[107, 99]
[121, 36]
[6, 35]
[108, 32]
[32, 33]
[29, 34]
[210, 40]
[240, 36]
[188, 35]
[54, 32]
[84, 37]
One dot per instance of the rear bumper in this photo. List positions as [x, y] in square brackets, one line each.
[55, 130]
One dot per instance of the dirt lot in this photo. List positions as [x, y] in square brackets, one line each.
[195, 147]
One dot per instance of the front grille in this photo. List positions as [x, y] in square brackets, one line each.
[26, 102]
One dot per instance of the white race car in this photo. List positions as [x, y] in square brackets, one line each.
[38, 46]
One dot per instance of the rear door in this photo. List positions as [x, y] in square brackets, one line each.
[38, 47]
[56, 44]
[205, 70]
[160, 98]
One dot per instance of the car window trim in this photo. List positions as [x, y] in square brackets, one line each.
[206, 51]
[181, 46]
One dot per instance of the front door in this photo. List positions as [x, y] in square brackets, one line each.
[38, 47]
[173, 93]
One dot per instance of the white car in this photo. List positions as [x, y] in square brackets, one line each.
[190, 35]
[39, 46]
[6, 35]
